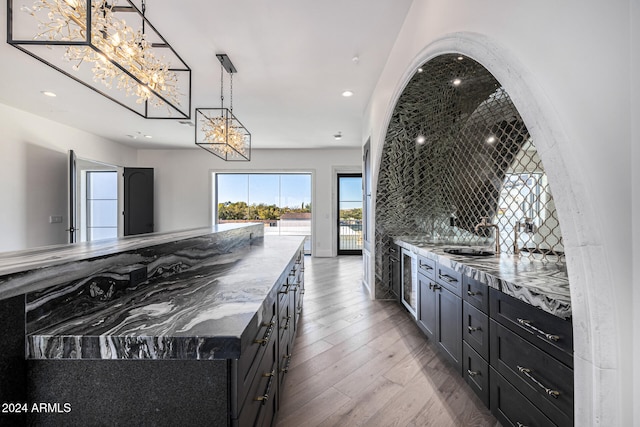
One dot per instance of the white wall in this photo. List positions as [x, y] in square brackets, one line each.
[566, 66]
[635, 197]
[33, 175]
[183, 184]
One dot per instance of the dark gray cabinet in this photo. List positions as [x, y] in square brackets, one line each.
[449, 331]
[531, 352]
[440, 309]
[517, 358]
[427, 313]
[475, 335]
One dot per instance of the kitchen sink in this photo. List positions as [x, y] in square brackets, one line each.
[469, 251]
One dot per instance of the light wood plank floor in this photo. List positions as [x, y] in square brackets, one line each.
[362, 362]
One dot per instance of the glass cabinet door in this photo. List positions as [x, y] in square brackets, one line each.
[409, 286]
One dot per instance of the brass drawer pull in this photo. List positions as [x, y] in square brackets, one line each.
[472, 373]
[472, 294]
[267, 336]
[527, 323]
[286, 368]
[472, 329]
[269, 374]
[286, 325]
[263, 399]
[527, 373]
[434, 287]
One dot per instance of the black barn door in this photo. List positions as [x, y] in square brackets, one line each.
[138, 201]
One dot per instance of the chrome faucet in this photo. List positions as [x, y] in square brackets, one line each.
[484, 224]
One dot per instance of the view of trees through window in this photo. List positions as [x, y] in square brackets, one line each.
[282, 202]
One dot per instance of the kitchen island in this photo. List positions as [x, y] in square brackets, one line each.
[193, 331]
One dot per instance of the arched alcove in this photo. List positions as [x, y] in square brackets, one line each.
[596, 373]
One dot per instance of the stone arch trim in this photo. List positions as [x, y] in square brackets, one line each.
[596, 373]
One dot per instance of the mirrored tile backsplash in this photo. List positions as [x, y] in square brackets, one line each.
[458, 164]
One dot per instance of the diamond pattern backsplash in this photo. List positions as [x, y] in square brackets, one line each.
[457, 151]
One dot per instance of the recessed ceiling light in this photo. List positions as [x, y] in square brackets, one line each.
[420, 69]
[355, 59]
[347, 93]
[338, 136]
[48, 93]
[491, 139]
[148, 136]
[421, 139]
[456, 82]
[132, 136]
[460, 58]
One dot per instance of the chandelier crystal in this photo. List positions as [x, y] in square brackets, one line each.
[102, 50]
[217, 129]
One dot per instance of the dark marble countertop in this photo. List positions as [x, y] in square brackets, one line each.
[47, 256]
[200, 313]
[32, 269]
[530, 278]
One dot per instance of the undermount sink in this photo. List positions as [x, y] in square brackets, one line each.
[469, 251]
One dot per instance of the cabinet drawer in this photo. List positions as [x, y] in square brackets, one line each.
[475, 370]
[540, 377]
[475, 329]
[476, 293]
[427, 267]
[262, 391]
[551, 333]
[511, 408]
[259, 335]
[449, 278]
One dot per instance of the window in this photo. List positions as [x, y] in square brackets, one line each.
[282, 202]
[101, 205]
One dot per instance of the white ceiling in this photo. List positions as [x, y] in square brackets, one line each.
[294, 59]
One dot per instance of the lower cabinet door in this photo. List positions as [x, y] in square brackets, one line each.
[510, 407]
[427, 315]
[475, 370]
[449, 331]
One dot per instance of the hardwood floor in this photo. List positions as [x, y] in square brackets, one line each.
[362, 362]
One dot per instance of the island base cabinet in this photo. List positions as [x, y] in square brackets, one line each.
[129, 392]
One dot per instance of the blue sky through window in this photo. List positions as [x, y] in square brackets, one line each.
[283, 190]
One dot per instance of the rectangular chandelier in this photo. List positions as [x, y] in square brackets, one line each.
[110, 47]
[217, 129]
[219, 132]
